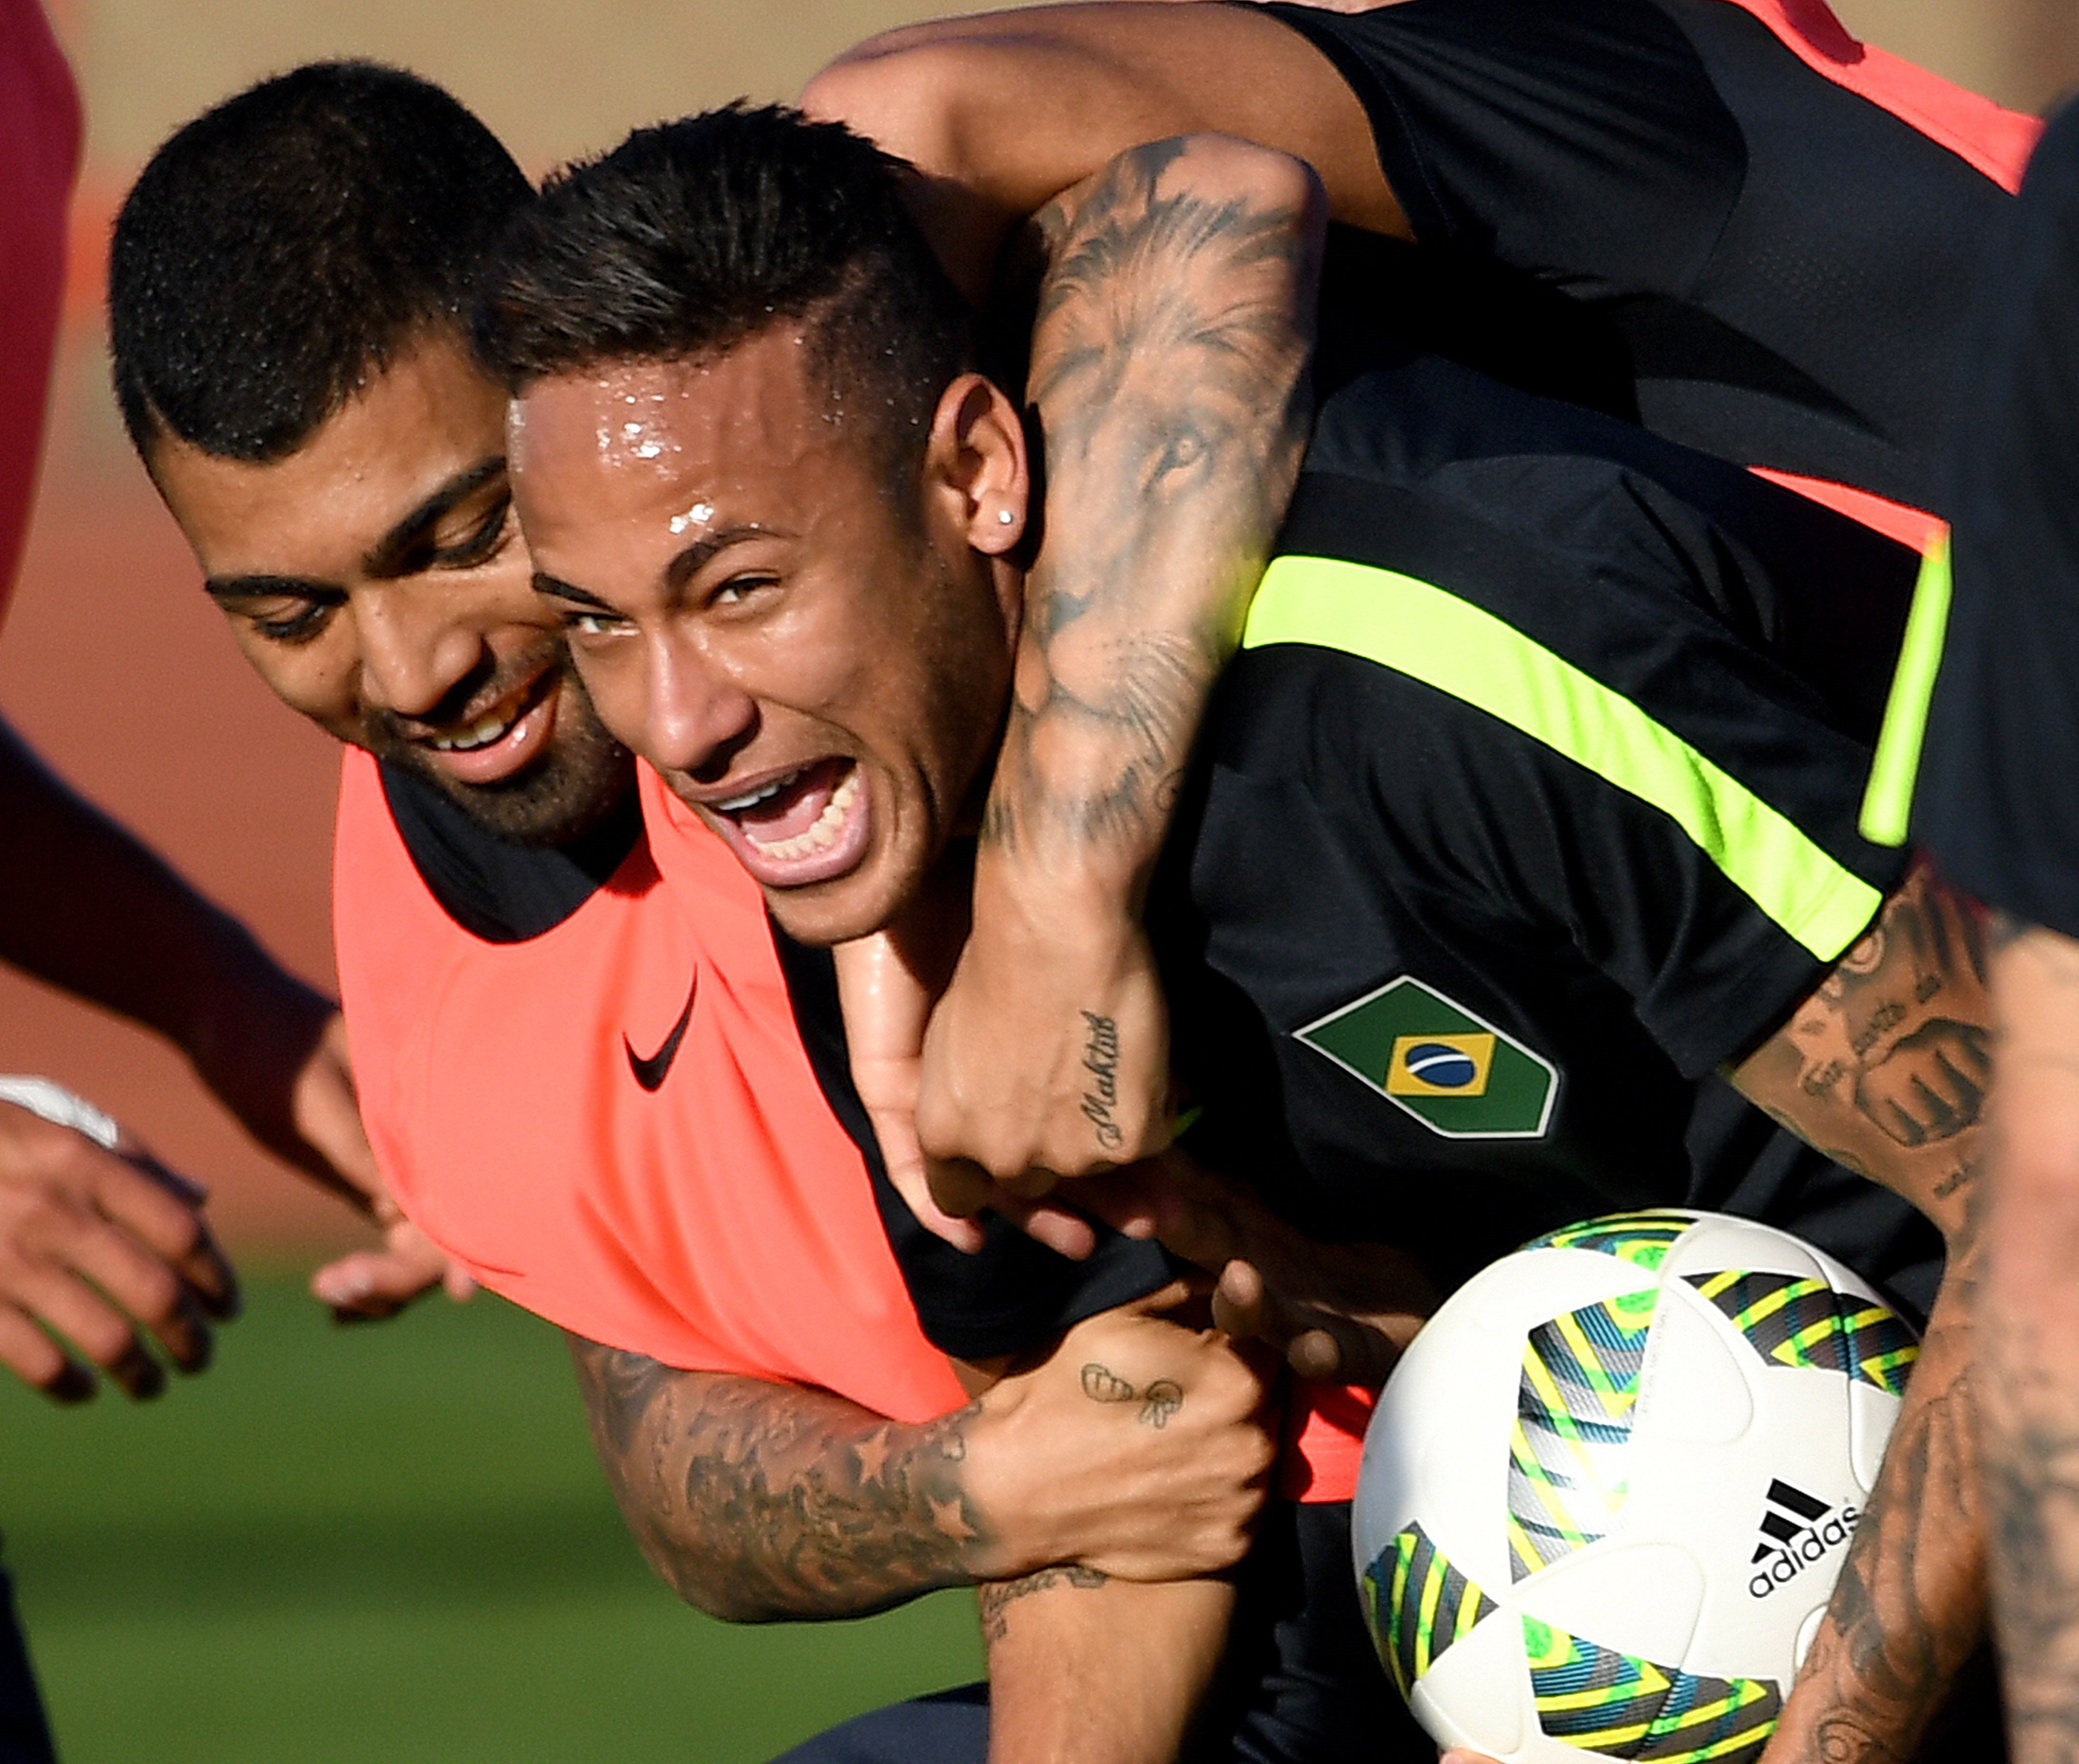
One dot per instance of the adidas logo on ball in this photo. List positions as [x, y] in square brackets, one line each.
[1797, 1531]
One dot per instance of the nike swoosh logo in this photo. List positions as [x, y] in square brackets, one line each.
[651, 1071]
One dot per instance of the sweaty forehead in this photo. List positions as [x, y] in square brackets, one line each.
[735, 427]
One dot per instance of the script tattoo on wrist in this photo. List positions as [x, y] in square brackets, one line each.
[1169, 374]
[1101, 1060]
[756, 1500]
[1158, 1400]
[996, 1595]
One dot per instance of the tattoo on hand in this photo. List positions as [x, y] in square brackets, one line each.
[1101, 1060]
[1162, 1398]
[998, 1594]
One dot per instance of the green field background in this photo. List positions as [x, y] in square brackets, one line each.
[391, 1542]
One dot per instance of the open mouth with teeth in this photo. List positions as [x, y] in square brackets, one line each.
[502, 741]
[802, 826]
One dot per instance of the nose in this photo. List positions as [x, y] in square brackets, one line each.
[413, 650]
[694, 715]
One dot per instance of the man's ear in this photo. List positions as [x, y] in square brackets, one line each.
[976, 461]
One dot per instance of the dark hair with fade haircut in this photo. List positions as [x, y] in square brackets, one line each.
[693, 236]
[289, 243]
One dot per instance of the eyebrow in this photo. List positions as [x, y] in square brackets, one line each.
[380, 559]
[559, 590]
[681, 569]
[262, 587]
[689, 562]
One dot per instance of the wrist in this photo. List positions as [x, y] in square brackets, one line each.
[1016, 1536]
[1077, 898]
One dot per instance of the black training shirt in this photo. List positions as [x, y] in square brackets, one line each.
[1785, 265]
[1997, 799]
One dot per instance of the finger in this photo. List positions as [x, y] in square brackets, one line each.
[184, 1189]
[1065, 1232]
[153, 1205]
[101, 1333]
[960, 1187]
[1162, 1299]
[1030, 1183]
[459, 1284]
[39, 1361]
[1316, 1354]
[1359, 1355]
[1238, 1302]
[370, 1284]
[912, 1181]
[134, 1284]
[1248, 1310]
[1126, 1200]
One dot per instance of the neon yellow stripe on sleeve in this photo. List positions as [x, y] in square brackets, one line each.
[1418, 629]
[1888, 802]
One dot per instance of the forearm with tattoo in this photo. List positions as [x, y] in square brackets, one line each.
[1886, 1067]
[1909, 1604]
[1168, 378]
[757, 1501]
[2031, 1345]
[2032, 1489]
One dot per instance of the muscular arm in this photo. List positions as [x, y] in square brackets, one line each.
[756, 1500]
[1884, 1068]
[1168, 384]
[1005, 111]
[2029, 1343]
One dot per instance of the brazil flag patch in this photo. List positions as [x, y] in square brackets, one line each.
[1457, 1074]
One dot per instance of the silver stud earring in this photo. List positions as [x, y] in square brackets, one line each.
[1005, 516]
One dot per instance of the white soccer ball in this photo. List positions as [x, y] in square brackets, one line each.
[1605, 1494]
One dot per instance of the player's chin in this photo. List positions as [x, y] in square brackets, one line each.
[559, 800]
[864, 898]
[834, 911]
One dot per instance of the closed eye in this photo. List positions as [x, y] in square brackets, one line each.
[483, 542]
[299, 626]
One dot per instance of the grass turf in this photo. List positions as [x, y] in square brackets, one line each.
[391, 1542]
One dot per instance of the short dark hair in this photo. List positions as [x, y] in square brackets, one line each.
[693, 236]
[283, 247]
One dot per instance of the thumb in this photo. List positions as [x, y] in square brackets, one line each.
[377, 1283]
